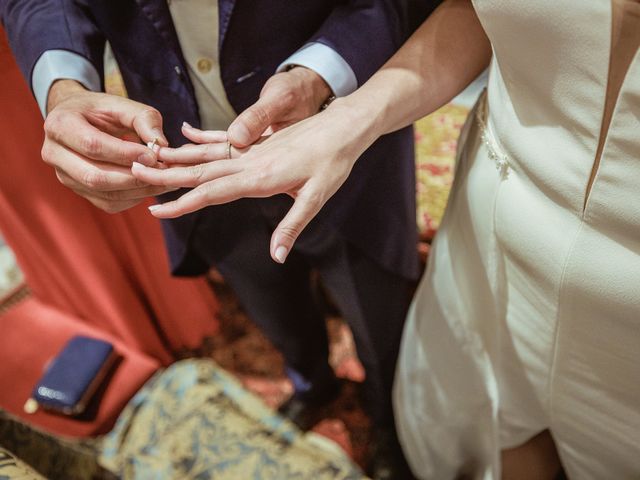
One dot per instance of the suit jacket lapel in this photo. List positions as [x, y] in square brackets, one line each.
[157, 11]
[225, 9]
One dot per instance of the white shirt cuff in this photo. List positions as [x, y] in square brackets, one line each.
[57, 65]
[327, 63]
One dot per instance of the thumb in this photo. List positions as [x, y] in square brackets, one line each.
[251, 124]
[291, 226]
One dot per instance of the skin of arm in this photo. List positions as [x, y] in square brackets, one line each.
[442, 57]
[311, 159]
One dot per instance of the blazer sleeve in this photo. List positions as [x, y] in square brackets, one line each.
[366, 33]
[36, 26]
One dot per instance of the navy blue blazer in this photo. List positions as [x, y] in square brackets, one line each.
[375, 208]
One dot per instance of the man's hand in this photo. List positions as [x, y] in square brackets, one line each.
[285, 99]
[93, 138]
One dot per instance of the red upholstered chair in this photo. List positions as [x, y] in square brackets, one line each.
[31, 334]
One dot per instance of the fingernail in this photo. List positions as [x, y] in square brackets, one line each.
[148, 159]
[281, 253]
[153, 208]
[136, 167]
[186, 125]
[239, 133]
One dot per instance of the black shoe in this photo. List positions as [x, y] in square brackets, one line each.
[387, 461]
[307, 410]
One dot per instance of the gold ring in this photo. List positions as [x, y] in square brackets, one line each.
[228, 150]
[152, 145]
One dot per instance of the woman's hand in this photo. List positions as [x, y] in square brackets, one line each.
[308, 161]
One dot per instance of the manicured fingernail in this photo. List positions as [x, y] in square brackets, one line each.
[239, 133]
[281, 253]
[186, 125]
[148, 159]
[136, 167]
[153, 208]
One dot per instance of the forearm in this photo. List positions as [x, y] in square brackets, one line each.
[444, 55]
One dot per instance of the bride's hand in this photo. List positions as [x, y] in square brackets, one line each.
[308, 161]
[207, 146]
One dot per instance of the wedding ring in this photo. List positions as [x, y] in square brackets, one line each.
[152, 145]
[228, 150]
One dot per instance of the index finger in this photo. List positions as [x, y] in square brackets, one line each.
[78, 135]
[145, 120]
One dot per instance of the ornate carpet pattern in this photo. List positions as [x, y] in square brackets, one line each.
[12, 468]
[54, 457]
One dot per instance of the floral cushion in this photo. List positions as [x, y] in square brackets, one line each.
[196, 421]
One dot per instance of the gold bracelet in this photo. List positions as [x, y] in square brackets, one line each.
[327, 102]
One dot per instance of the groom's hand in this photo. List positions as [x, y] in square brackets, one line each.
[91, 139]
[285, 99]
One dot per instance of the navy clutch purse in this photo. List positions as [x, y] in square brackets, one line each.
[74, 375]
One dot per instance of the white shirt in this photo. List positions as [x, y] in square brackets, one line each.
[193, 20]
[196, 23]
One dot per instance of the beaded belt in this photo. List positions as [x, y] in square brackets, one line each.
[488, 138]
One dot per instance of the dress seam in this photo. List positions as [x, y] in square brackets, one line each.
[556, 334]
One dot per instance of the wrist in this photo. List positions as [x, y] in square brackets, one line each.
[61, 90]
[319, 89]
[362, 127]
[360, 118]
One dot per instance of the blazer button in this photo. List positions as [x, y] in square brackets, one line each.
[178, 70]
[204, 65]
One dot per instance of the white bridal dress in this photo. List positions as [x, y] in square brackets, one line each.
[528, 317]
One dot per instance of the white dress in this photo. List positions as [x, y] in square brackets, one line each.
[528, 317]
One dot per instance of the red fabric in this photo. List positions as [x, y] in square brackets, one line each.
[109, 270]
[32, 334]
[90, 272]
